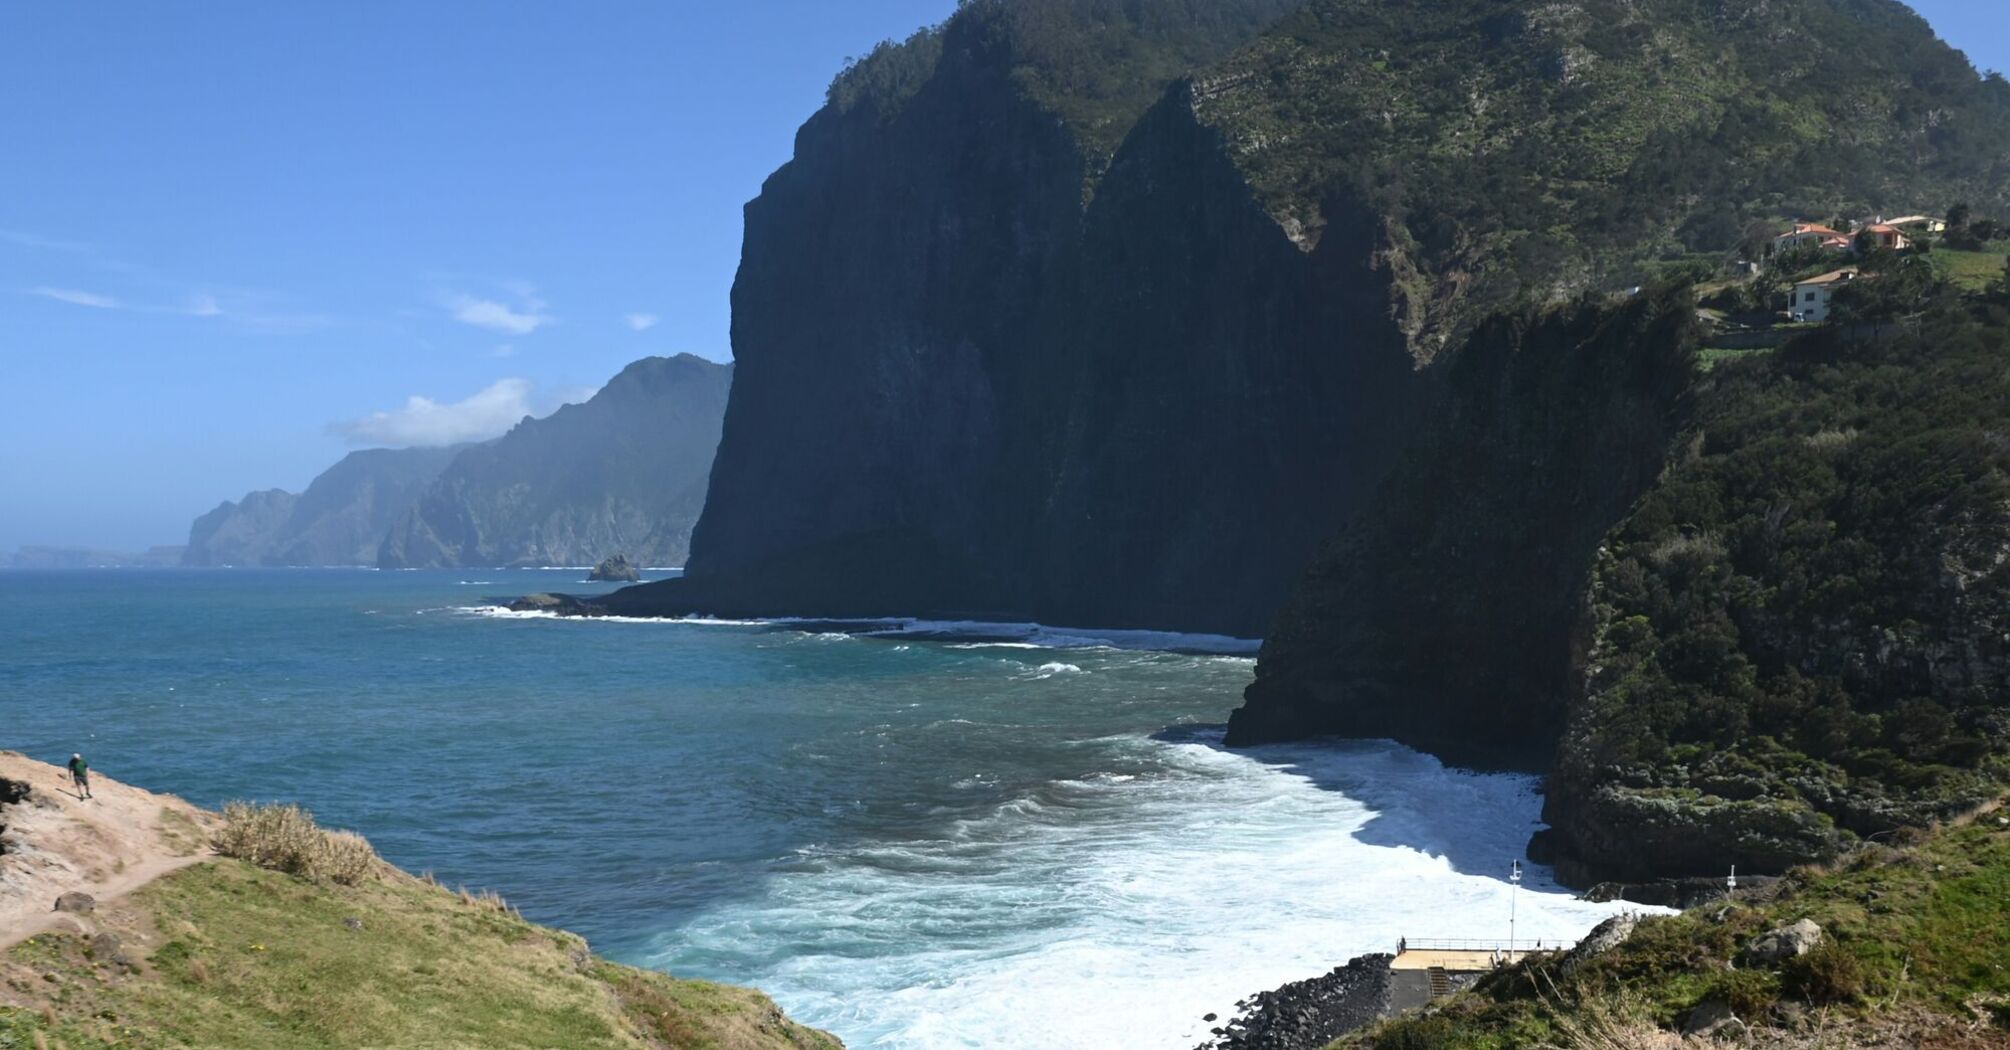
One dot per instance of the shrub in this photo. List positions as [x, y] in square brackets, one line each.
[1423, 1033]
[1749, 993]
[346, 857]
[1830, 975]
[286, 838]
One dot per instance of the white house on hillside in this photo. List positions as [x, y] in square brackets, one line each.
[1809, 234]
[1886, 235]
[1925, 222]
[1812, 296]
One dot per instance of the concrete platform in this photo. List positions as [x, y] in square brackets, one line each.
[1455, 960]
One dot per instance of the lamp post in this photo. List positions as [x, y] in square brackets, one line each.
[1731, 883]
[1514, 894]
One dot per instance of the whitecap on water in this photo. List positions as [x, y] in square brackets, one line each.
[1114, 910]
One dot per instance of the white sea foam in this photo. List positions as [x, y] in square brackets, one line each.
[980, 632]
[962, 634]
[1113, 911]
[504, 612]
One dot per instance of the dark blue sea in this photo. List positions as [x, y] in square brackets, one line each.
[1033, 840]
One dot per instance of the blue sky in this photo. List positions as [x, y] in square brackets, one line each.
[239, 239]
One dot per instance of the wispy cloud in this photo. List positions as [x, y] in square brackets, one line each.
[23, 239]
[147, 292]
[574, 395]
[76, 297]
[422, 421]
[642, 322]
[522, 317]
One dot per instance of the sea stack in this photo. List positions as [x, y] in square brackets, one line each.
[616, 569]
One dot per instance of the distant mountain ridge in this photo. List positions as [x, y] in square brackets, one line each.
[624, 473]
[43, 556]
[339, 520]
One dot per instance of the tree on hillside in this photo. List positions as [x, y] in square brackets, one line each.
[1893, 287]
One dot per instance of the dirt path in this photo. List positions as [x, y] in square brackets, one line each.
[52, 842]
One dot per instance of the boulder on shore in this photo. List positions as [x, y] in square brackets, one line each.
[617, 569]
[1787, 942]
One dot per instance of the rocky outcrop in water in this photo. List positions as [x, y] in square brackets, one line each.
[624, 472]
[338, 520]
[617, 569]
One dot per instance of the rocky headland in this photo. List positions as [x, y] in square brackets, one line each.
[1383, 319]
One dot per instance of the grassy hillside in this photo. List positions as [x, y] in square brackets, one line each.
[226, 955]
[1538, 148]
[1915, 954]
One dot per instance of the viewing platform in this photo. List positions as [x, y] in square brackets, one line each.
[1425, 968]
[1471, 955]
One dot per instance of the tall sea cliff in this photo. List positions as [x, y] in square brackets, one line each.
[1126, 314]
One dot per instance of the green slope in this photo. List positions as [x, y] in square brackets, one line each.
[225, 955]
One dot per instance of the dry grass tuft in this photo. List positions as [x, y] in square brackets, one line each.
[286, 838]
[489, 900]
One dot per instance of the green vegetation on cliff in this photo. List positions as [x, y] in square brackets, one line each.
[1911, 955]
[1522, 149]
[1095, 64]
[1800, 631]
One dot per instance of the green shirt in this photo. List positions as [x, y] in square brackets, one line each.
[79, 767]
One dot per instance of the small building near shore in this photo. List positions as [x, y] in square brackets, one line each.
[1813, 297]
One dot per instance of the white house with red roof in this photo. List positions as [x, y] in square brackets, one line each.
[1886, 235]
[1807, 234]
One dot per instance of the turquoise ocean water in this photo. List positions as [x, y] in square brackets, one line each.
[1032, 841]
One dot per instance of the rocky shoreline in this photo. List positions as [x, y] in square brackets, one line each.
[1308, 1014]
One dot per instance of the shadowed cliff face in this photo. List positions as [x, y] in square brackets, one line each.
[1018, 341]
[963, 391]
[623, 473]
[891, 273]
[1445, 617]
[1227, 394]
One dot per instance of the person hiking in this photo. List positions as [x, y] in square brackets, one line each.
[80, 774]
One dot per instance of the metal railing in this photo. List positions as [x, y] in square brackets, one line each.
[1469, 944]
